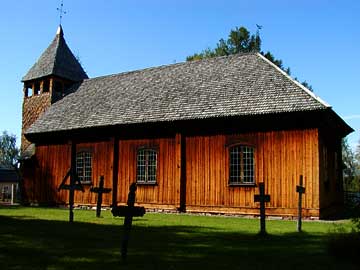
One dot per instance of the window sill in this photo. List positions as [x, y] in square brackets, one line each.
[242, 185]
[146, 184]
[86, 183]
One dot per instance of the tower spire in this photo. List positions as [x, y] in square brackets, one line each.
[61, 11]
[59, 31]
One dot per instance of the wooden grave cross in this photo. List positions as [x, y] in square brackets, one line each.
[262, 198]
[128, 212]
[301, 190]
[99, 190]
[75, 184]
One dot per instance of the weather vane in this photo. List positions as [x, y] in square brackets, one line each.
[61, 11]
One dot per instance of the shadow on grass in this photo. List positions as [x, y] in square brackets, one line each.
[43, 244]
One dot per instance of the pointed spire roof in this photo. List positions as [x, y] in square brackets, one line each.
[57, 60]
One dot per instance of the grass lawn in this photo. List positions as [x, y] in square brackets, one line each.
[41, 238]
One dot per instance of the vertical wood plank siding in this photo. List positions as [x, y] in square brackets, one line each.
[280, 158]
[193, 171]
[166, 192]
[44, 173]
[52, 162]
[102, 164]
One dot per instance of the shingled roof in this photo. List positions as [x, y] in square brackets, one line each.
[237, 85]
[57, 60]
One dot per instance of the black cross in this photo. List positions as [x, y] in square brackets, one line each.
[61, 11]
[128, 212]
[74, 182]
[99, 190]
[262, 198]
[300, 189]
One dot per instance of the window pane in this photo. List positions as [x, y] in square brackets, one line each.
[146, 165]
[248, 164]
[83, 166]
[235, 166]
[141, 166]
[241, 164]
[87, 166]
[79, 166]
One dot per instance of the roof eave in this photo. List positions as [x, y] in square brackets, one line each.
[285, 116]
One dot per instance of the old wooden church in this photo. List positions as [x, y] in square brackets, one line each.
[195, 136]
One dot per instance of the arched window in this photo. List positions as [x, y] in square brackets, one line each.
[146, 166]
[242, 165]
[84, 166]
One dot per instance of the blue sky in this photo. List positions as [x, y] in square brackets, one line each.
[318, 40]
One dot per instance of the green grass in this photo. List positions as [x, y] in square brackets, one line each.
[41, 238]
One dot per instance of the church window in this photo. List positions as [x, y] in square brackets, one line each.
[84, 166]
[146, 166]
[242, 165]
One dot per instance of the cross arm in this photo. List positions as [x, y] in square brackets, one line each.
[300, 189]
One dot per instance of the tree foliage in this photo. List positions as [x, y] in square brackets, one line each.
[357, 154]
[240, 40]
[9, 153]
[351, 161]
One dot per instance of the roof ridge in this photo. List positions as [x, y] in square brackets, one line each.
[302, 87]
[57, 38]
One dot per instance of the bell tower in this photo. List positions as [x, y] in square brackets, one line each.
[49, 80]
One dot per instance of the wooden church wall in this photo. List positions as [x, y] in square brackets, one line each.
[43, 174]
[166, 192]
[102, 165]
[52, 162]
[280, 158]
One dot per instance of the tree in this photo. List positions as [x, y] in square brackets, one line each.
[9, 153]
[357, 154]
[350, 167]
[357, 164]
[240, 40]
